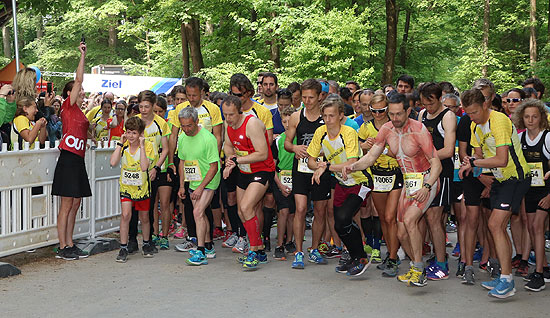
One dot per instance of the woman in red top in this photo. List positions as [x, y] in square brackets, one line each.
[116, 124]
[70, 180]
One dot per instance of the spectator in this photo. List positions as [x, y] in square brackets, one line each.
[7, 112]
[54, 126]
[25, 129]
[116, 123]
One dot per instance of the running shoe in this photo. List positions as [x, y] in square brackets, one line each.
[546, 276]
[460, 269]
[536, 283]
[367, 248]
[490, 284]
[155, 239]
[515, 262]
[298, 261]
[333, 252]
[80, 253]
[181, 232]
[218, 234]
[468, 278]
[478, 254]
[316, 257]
[483, 266]
[391, 269]
[450, 228]
[344, 258]
[529, 277]
[262, 258]
[163, 243]
[494, 266]
[436, 272]
[375, 256]
[503, 289]
[407, 276]
[147, 250]
[359, 267]
[382, 265]
[532, 260]
[456, 250]
[241, 246]
[66, 254]
[132, 247]
[323, 248]
[210, 253]
[418, 278]
[122, 255]
[230, 241]
[290, 247]
[226, 235]
[522, 270]
[251, 261]
[547, 245]
[197, 258]
[186, 246]
[279, 254]
[344, 266]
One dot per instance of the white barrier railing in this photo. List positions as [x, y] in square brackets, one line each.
[28, 211]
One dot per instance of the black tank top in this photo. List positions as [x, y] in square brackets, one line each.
[535, 153]
[435, 127]
[305, 130]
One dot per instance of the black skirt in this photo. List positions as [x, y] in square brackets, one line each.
[70, 178]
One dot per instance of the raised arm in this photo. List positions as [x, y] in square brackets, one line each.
[79, 74]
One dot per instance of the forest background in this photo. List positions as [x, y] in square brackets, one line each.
[369, 41]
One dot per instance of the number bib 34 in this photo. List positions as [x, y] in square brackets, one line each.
[413, 183]
[192, 170]
[383, 183]
[131, 178]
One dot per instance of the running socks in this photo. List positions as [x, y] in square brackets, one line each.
[376, 233]
[124, 246]
[236, 224]
[209, 245]
[367, 226]
[268, 221]
[252, 227]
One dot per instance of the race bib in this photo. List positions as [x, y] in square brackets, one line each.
[244, 167]
[537, 174]
[302, 165]
[497, 172]
[456, 159]
[132, 178]
[192, 170]
[383, 183]
[286, 178]
[413, 183]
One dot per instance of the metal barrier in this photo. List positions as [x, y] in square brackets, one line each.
[28, 211]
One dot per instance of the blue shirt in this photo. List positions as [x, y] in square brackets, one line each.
[351, 123]
[359, 120]
[278, 127]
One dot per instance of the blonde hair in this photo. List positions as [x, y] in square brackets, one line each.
[24, 101]
[517, 117]
[378, 97]
[24, 83]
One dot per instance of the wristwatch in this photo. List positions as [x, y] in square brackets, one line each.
[472, 163]
[157, 168]
[427, 186]
[234, 159]
[120, 144]
[328, 166]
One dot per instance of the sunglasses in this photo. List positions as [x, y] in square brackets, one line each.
[236, 94]
[513, 100]
[379, 111]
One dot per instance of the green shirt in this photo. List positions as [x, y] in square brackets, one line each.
[198, 152]
[283, 157]
[7, 111]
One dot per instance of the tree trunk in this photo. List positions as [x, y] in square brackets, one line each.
[391, 42]
[327, 6]
[193, 37]
[533, 35]
[275, 53]
[6, 38]
[209, 27]
[185, 51]
[485, 44]
[112, 32]
[40, 28]
[403, 48]
[548, 27]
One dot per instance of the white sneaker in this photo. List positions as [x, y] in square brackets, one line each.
[231, 241]
[185, 246]
[241, 246]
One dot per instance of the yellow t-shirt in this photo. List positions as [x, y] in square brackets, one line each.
[345, 146]
[134, 183]
[153, 133]
[368, 130]
[209, 115]
[262, 113]
[101, 130]
[496, 132]
[21, 123]
[94, 113]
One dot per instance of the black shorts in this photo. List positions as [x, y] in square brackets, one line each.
[162, 180]
[232, 180]
[70, 178]
[301, 184]
[262, 177]
[472, 190]
[507, 195]
[443, 197]
[456, 191]
[215, 204]
[486, 203]
[282, 201]
[533, 197]
[386, 180]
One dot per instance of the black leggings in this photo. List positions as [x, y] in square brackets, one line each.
[347, 230]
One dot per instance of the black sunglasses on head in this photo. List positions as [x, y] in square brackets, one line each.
[236, 94]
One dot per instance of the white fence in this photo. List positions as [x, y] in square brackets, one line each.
[28, 211]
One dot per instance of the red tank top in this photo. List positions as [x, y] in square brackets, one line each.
[243, 146]
[75, 128]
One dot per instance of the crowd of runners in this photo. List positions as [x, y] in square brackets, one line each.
[398, 166]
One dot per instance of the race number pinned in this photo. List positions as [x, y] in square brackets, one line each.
[413, 183]
[192, 170]
[537, 174]
[132, 178]
[302, 165]
[244, 167]
[383, 183]
[286, 178]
